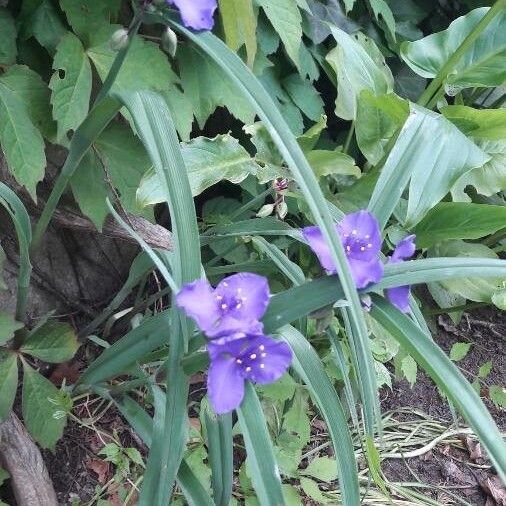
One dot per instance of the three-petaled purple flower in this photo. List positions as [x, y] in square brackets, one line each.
[196, 14]
[361, 239]
[230, 317]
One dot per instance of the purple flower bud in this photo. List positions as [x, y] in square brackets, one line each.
[196, 14]
[399, 295]
[257, 358]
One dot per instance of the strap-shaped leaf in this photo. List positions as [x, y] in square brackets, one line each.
[446, 375]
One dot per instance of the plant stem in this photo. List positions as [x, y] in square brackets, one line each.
[349, 137]
[438, 81]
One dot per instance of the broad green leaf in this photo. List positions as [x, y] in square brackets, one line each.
[358, 65]
[21, 142]
[45, 25]
[485, 369]
[89, 188]
[497, 395]
[499, 298]
[322, 468]
[8, 382]
[137, 70]
[53, 342]
[181, 108]
[459, 351]
[483, 64]
[304, 96]
[415, 158]
[286, 19]
[478, 289]
[8, 49]
[488, 179]
[458, 220]
[208, 161]
[205, 85]
[87, 16]
[291, 495]
[383, 14]
[310, 488]
[378, 118]
[447, 377]
[28, 86]
[325, 163]
[70, 84]
[41, 412]
[486, 124]
[8, 325]
[240, 24]
[409, 369]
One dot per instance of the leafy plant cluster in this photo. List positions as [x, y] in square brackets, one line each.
[292, 112]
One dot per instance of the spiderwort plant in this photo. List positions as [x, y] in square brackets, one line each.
[196, 14]
[229, 315]
[361, 239]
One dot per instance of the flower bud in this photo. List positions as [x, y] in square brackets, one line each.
[282, 210]
[119, 39]
[169, 42]
[265, 211]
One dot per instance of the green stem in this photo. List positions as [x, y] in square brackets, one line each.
[349, 137]
[438, 81]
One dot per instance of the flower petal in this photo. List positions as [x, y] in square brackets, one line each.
[266, 360]
[399, 297]
[246, 295]
[318, 244]
[405, 249]
[199, 302]
[365, 273]
[196, 14]
[225, 384]
[228, 325]
[361, 235]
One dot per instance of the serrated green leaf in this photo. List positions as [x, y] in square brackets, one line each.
[53, 342]
[45, 25]
[205, 85]
[483, 64]
[8, 325]
[486, 124]
[137, 70]
[382, 375]
[497, 395]
[413, 158]
[41, 413]
[8, 49]
[485, 369]
[310, 488]
[358, 65]
[458, 220]
[459, 351]
[21, 142]
[208, 161]
[70, 84]
[322, 468]
[88, 16]
[409, 369]
[29, 87]
[8, 382]
[286, 19]
[488, 179]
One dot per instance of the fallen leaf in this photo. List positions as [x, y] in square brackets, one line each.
[474, 447]
[68, 370]
[101, 468]
[495, 488]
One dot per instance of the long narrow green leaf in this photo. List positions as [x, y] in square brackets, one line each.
[281, 134]
[446, 375]
[309, 367]
[156, 129]
[23, 227]
[263, 467]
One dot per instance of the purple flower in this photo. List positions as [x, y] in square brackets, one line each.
[235, 305]
[361, 239]
[257, 358]
[399, 295]
[196, 14]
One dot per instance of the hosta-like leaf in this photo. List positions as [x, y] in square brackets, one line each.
[21, 142]
[208, 161]
[358, 65]
[41, 412]
[70, 84]
[29, 87]
[286, 19]
[457, 220]
[8, 49]
[483, 64]
[486, 124]
[8, 382]
[431, 170]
